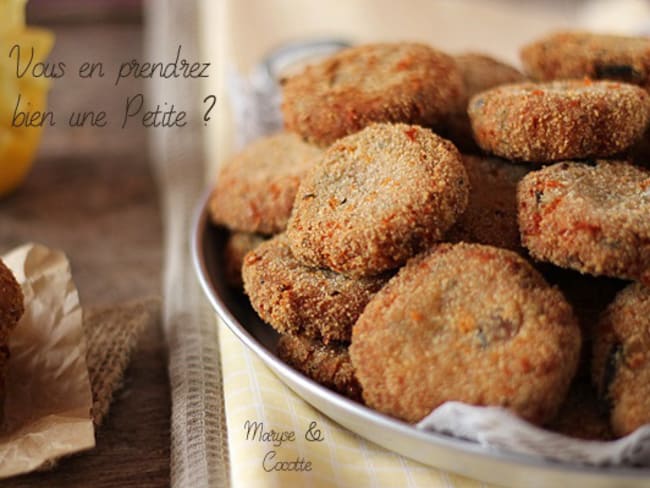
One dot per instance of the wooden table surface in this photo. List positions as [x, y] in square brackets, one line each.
[92, 194]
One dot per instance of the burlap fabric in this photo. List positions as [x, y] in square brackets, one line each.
[112, 333]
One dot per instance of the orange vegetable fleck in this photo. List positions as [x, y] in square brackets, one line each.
[593, 229]
[411, 133]
[416, 316]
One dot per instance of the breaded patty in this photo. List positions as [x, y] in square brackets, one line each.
[295, 299]
[328, 365]
[11, 310]
[480, 72]
[237, 246]
[546, 122]
[577, 54]
[591, 218]
[469, 323]
[400, 82]
[491, 215]
[255, 189]
[11, 301]
[376, 198]
[621, 361]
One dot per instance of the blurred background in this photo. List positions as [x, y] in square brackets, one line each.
[40, 11]
[92, 193]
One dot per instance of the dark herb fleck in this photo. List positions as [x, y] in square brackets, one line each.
[482, 339]
[622, 72]
[611, 368]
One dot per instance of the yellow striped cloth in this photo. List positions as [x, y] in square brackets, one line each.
[254, 395]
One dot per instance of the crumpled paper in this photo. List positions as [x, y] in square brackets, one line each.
[498, 428]
[48, 397]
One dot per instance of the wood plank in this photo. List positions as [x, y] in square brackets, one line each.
[76, 11]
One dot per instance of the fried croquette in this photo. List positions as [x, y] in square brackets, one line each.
[328, 365]
[255, 189]
[295, 299]
[469, 323]
[621, 360]
[376, 198]
[590, 218]
[572, 119]
[578, 54]
[400, 82]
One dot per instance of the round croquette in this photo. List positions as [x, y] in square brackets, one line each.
[621, 360]
[376, 198]
[591, 218]
[255, 189]
[470, 323]
[578, 54]
[295, 299]
[400, 82]
[328, 365]
[546, 122]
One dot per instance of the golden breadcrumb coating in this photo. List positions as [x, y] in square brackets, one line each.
[621, 360]
[328, 365]
[469, 323]
[591, 218]
[296, 299]
[376, 198]
[546, 122]
[255, 189]
[578, 54]
[400, 82]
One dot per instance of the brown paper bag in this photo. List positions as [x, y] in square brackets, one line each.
[48, 405]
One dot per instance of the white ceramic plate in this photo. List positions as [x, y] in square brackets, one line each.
[437, 450]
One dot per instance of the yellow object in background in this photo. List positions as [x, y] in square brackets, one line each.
[12, 13]
[18, 145]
